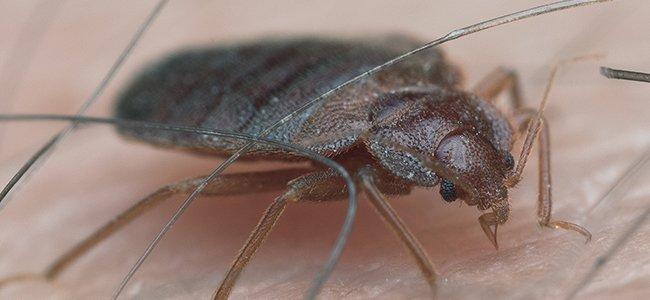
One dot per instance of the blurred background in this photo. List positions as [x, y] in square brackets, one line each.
[599, 129]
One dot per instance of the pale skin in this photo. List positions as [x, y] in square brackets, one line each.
[197, 253]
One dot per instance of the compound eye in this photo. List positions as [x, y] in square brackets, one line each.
[509, 161]
[448, 191]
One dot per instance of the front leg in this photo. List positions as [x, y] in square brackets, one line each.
[489, 88]
[544, 201]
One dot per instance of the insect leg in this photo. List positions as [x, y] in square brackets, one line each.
[389, 215]
[536, 121]
[538, 130]
[317, 186]
[230, 184]
[496, 82]
[544, 201]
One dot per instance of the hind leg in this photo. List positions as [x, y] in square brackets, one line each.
[230, 184]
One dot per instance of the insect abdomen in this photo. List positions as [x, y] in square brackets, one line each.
[245, 88]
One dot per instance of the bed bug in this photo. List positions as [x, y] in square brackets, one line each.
[377, 129]
[382, 121]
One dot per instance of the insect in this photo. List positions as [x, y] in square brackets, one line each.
[447, 190]
[380, 129]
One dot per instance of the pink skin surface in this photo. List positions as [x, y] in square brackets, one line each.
[599, 128]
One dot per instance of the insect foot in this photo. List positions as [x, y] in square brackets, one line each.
[568, 226]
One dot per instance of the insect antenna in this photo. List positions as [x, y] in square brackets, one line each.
[41, 154]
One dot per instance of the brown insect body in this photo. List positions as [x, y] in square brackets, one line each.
[417, 106]
[393, 123]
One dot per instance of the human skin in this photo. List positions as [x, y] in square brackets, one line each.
[599, 127]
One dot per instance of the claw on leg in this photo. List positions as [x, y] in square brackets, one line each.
[486, 220]
[570, 226]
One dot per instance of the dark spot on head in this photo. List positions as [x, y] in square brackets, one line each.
[509, 161]
[448, 191]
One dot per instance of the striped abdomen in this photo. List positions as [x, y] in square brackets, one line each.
[247, 87]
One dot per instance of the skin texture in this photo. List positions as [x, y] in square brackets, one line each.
[599, 128]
